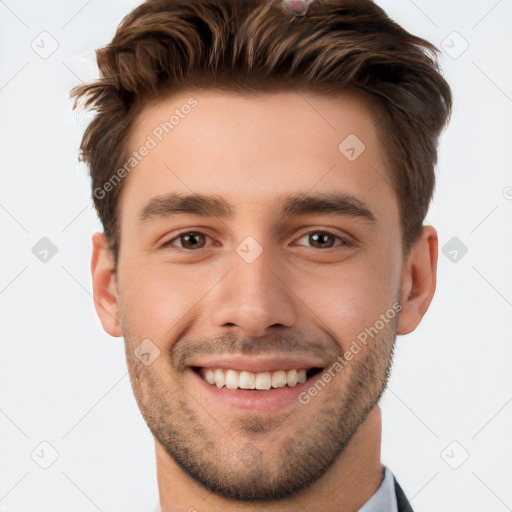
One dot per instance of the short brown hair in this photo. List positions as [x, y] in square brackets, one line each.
[165, 46]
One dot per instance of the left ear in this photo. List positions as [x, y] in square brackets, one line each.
[418, 280]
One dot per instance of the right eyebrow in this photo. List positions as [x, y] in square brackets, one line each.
[198, 204]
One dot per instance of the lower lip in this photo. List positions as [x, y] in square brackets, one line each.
[256, 400]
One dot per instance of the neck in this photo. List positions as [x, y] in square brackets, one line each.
[345, 487]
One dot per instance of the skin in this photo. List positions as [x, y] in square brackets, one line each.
[197, 295]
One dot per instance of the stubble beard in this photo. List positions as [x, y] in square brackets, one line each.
[223, 456]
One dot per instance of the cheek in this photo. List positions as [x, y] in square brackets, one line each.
[348, 299]
[157, 300]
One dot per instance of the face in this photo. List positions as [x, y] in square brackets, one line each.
[287, 257]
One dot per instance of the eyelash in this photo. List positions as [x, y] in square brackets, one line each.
[344, 241]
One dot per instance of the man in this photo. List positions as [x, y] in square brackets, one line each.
[262, 171]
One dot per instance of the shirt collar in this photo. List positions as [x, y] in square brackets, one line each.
[385, 497]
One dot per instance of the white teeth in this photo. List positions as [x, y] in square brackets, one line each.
[208, 376]
[291, 377]
[279, 379]
[263, 380]
[233, 379]
[219, 378]
[247, 380]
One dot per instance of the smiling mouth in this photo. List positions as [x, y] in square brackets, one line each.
[262, 381]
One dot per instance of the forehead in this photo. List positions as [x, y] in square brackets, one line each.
[252, 149]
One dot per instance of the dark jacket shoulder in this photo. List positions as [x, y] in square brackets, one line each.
[402, 501]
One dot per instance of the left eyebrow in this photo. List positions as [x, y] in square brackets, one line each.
[327, 203]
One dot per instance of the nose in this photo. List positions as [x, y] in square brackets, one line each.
[253, 297]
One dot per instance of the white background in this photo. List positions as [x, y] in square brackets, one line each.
[64, 381]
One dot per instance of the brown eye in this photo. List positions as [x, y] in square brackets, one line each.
[190, 240]
[323, 240]
[320, 240]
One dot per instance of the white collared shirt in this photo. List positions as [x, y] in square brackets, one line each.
[384, 499]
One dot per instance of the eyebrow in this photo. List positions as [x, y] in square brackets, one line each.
[293, 205]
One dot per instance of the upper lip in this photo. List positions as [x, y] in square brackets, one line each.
[258, 364]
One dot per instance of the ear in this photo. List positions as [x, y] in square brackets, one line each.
[418, 280]
[104, 285]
